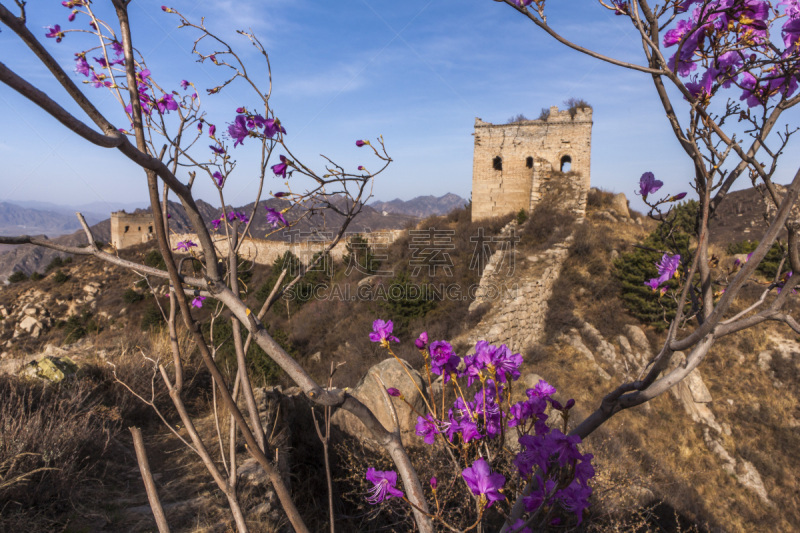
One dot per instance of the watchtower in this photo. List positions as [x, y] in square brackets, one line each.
[130, 229]
[514, 165]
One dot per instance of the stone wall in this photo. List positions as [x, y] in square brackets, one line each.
[513, 163]
[265, 252]
[130, 230]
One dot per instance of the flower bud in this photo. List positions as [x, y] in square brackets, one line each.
[361, 143]
[393, 392]
[434, 483]
[422, 341]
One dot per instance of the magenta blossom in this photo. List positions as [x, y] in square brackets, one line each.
[281, 168]
[198, 302]
[426, 427]
[391, 391]
[54, 32]
[185, 245]
[434, 483]
[648, 184]
[82, 66]
[219, 178]
[422, 341]
[275, 218]
[217, 222]
[238, 130]
[361, 143]
[679, 196]
[273, 126]
[238, 215]
[212, 130]
[217, 149]
[184, 84]
[382, 332]
[384, 485]
[481, 481]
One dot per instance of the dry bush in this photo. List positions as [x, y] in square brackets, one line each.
[546, 226]
[52, 440]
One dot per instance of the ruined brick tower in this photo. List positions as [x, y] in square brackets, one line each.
[130, 229]
[515, 165]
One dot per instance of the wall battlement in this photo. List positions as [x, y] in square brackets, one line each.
[129, 230]
[514, 164]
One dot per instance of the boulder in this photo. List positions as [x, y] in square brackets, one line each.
[370, 391]
[53, 369]
[619, 203]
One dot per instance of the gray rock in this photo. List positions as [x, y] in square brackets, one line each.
[619, 203]
[372, 394]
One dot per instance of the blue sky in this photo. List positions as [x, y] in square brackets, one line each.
[417, 72]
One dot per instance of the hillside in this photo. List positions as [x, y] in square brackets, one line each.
[716, 454]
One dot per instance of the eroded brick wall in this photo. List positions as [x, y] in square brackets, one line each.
[529, 152]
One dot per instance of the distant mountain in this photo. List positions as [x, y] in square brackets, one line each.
[94, 212]
[20, 220]
[421, 206]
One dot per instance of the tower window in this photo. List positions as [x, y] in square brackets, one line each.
[127, 228]
[149, 229]
[497, 163]
[566, 163]
[529, 162]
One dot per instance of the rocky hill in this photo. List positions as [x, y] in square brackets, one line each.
[18, 220]
[717, 453]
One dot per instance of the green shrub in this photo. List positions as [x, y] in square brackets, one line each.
[152, 318]
[522, 216]
[17, 276]
[154, 259]
[131, 296]
[57, 262]
[36, 276]
[60, 277]
[634, 268]
[261, 367]
[360, 256]
[77, 327]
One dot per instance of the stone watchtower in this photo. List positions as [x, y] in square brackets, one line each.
[515, 164]
[130, 229]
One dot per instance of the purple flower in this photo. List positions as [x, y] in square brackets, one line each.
[679, 196]
[217, 149]
[434, 483]
[198, 302]
[280, 194]
[384, 485]
[542, 389]
[218, 177]
[426, 427]
[275, 218]
[668, 266]
[54, 32]
[648, 184]
[184, 84]
[212, 130]
[575, 498]
[519, 527]
[185, 245]
[523, 3]
[81, 65]
[280, 168]
[382, 332]
[481, 481]
[238, 215]
[273, 126]
[361, 143]
[422, 341]
[166, 104]
[391, 391]
[443, 360]
[118, 50]
[238, 130]
[216, 223]
[99, 81]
